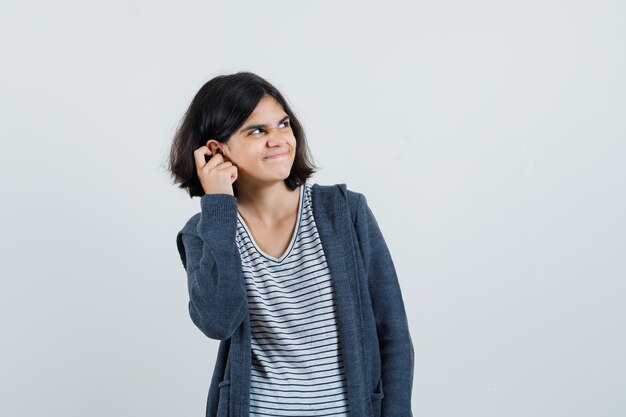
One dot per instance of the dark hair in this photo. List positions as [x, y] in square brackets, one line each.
[220, 107]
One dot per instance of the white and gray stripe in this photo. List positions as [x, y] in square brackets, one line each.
[297, 365]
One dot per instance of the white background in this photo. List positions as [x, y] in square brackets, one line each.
[488, 137]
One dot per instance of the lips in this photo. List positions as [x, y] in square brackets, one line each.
[276, 156]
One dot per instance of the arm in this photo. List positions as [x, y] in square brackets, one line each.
[217, 294]
[396, 347]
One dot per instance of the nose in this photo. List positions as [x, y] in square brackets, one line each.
[274, 135]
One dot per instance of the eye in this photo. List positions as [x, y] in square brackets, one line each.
[286, 123]
[254, 130]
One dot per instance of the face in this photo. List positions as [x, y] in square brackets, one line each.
[263, 148]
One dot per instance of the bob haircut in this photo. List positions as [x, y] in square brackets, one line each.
[218, 109]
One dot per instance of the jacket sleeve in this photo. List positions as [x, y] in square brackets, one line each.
[396, 347]
[217, 294]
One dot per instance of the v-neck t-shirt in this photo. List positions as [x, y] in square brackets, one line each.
[297, 363]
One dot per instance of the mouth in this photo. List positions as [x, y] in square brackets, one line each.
[279, 156]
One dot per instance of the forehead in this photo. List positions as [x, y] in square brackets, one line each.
[267, 106]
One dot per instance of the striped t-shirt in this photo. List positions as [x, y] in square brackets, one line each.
[297, 364]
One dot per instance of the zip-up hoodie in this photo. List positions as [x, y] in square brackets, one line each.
[373, 329]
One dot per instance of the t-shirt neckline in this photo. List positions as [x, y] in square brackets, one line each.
[293, 236]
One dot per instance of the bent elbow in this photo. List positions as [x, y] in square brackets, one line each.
[213, 328]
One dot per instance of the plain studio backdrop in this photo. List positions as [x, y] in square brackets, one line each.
[488, 137]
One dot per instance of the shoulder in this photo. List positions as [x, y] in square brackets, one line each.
[341, 189]
[215, 207]
[191, 225]
[353, 197]
[188, 228]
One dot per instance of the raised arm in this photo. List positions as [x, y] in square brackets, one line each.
[217, 294]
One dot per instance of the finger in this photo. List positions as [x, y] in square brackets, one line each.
[215, 161]
[233, 174]
[225, 164]
[198, 155]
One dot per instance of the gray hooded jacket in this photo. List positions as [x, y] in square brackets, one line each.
[373, 328]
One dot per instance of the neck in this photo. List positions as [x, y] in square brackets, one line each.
[267, 204]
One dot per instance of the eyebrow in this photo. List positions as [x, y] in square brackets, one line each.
[261, 126]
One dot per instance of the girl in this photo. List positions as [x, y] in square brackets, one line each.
[294, 279]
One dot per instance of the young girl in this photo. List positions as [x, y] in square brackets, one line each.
[295, 279]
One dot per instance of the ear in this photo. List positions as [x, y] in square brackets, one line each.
[213, 146]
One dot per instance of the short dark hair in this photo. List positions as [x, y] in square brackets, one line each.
[220, 107]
